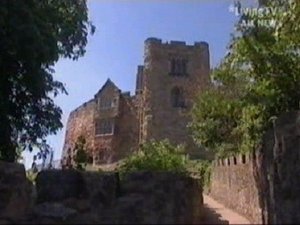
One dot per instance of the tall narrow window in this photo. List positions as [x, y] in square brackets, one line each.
[178, 67]
[177, 99]
[184, 67]
[173, 66]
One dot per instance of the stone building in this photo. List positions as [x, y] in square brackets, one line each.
[115, 123]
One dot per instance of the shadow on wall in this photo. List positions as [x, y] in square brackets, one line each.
[277, 171]
[264, 186]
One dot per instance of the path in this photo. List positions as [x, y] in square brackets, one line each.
[216, 213]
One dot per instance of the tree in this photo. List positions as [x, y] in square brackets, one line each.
[265, 62]
[34, 36]
[81, 156]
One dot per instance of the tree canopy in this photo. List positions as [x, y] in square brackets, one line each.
[257, 81]
[34, 35]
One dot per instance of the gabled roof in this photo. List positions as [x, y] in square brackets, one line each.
[107, 84]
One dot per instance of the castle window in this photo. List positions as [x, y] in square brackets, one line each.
[106, 103]
[177, 99]
[178, 67]
[173, 66]
[104, 127]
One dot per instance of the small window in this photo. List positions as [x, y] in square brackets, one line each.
[178, 67]
[104, 127]
[177, 99]
[106, 103]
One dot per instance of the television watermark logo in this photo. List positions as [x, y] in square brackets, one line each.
[264, 15]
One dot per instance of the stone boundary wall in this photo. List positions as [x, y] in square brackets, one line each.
[74, 197]
[233, 184]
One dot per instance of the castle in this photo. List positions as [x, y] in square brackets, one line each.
[114, 123]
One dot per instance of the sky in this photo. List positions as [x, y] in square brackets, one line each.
[116, 48]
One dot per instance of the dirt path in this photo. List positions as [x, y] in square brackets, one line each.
[217, 213]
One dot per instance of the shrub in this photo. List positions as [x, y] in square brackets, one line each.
[162, 156]
[81, 157]
[156, 156]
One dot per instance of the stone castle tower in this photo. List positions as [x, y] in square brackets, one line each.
[173, 73]
[115, 123]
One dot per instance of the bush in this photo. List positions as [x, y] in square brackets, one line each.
[156, 156]
[162, 156]
[81, 157]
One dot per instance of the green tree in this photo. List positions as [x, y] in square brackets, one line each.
[81, 157]
[34, 35]
[264, 61]
[215, 118]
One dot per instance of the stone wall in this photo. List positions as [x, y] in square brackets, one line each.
[15, 192]
[279, 171]
[73, 197]
[140, 198]
[80, 122]
[233, 183]
[264, 186]
[127, 128]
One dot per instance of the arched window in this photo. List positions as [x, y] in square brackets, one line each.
[177, 99]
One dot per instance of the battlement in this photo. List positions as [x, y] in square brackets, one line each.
[239, 159]
[126, 94]
[157, 41]
[153, 40]
[235, 178]
[81, 107]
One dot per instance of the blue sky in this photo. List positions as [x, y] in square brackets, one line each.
[116, 48]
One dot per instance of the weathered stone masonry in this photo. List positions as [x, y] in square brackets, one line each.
[264, 186]
[74, 197]
[172, 74]
[170, 70]
[104, 148]
[233, 184]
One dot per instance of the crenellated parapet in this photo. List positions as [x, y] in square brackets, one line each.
[238, 159]
[173, 43]
[234, 184]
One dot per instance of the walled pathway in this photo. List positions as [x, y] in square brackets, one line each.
[216, 213]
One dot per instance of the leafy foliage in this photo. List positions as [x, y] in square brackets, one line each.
[34, 35]
[215, 120]
[156, 156]
[257, 81]
[81, 157]
[162, 156]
